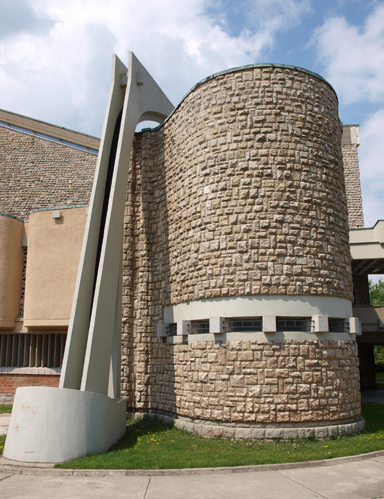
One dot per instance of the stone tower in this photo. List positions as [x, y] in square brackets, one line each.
[237, 301]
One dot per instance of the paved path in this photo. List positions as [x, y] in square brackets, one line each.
[376, 396]
[361, 477]
[4, 423]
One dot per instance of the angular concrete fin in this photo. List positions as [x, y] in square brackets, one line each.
[77, 337]
[94, 326]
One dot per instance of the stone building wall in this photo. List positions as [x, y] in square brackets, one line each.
[249, 179]
[39, 174]
[267, 383]
[240, 193]
[350, 143]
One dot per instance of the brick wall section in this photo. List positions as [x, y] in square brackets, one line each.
[10, 382]
[241, 192]
[352, 185]
[38, 174]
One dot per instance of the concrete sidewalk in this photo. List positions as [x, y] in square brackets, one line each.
[4, 423]
[375, 396]
[361, 477]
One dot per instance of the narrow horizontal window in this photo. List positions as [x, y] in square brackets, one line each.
[338, 326]
[200, 327]
[244, 324]
[294, 324]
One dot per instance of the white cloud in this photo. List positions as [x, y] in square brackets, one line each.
[371, 155]
[276, 15]
[353, 56]
[61, 73]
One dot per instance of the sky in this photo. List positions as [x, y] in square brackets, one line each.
[56, 57]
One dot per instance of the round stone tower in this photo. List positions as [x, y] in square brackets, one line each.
[237, 278]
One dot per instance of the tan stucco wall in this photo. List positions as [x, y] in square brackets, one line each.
[11, 261]
[54, 247]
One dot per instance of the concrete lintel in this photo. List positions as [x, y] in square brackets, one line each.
[258, 306]
[367, 243]
[262, 336]
[46, 323]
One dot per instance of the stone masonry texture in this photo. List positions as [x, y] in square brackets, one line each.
[39, 174]
[241, 192]
[353, 187]
[258, 382]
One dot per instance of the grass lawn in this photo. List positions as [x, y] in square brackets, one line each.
[5, 408]
[155, 445]
[380, 376]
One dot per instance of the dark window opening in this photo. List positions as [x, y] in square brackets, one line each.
[304, 324]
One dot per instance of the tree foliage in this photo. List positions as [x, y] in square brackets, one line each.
[376, 296]
[376, 292]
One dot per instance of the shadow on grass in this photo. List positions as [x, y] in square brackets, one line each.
[140, 429]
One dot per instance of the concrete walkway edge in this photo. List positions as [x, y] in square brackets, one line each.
[14, 467]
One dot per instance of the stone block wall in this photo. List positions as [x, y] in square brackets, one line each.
[267, 382]
[39, 174]
[353, 187]
[350, 143]
[241, 192]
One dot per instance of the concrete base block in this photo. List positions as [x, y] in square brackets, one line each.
[243, 434]
[50, 425]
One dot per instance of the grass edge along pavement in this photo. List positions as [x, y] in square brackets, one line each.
[151, 444]
[4, 409]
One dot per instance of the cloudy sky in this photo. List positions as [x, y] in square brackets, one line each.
[55, 56]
